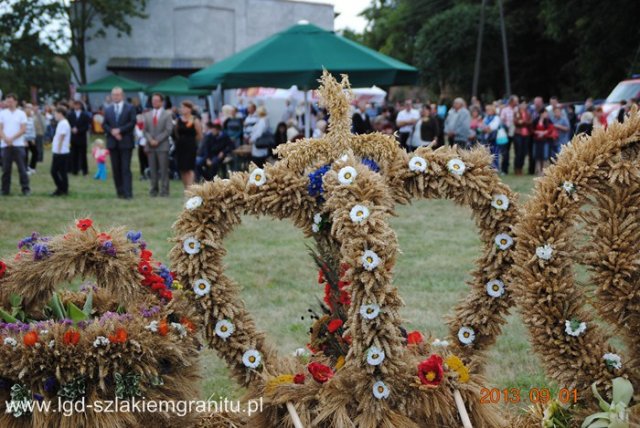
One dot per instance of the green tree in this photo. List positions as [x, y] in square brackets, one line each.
[66, 26]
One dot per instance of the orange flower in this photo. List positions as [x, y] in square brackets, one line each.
[414, 338]
[120, 336]
[30, 339]
[71, 337]
[163, 327]
[84, 223]
[188, 324]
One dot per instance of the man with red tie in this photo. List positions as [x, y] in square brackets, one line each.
[158, 125]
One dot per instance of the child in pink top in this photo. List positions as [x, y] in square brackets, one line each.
[100, 155]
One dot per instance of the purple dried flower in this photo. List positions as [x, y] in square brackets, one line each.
[28, 242]
[143, 244]
[51, 384]
[89, 287]
[66, 322]
[148, 313]
[109, 248]
[134, 236]
[40, 251]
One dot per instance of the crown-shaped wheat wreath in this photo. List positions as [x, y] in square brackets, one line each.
[341, 190]
[126, 336]
[600, 173]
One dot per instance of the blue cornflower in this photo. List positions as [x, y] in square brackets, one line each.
[40, 251]
[134, 236]
[373, 165]
[315, 182]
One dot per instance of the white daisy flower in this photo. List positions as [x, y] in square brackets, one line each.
[613, 361]
[43, 332]
[375, 356]
[418, 164]
[456, 166]
[224, 329]
[466, 335]
[574, 327]
[10, 341]
[370, 260]
[380, 390]
[503, 241]
[440, 343]
[252, 359]
[201, 287]
[315, 228]
[317, 219]
[495, 288]
[500, 202]
[102, 341]
[191, 246]
[544, 252]
[152, 327]
[359, 213]
[52, 344]
[344, 157]
[568, 187]
[301, 352]
[347, 174]
[369, 311]
[258, 177]
[179, 328]
[193, 203]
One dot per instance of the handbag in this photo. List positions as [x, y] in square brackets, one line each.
[501, 136]
[266, 141]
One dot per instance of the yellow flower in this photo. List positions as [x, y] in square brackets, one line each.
[463, 374]
[177, 285]
[340, 362]
[273, 383]
[454, 362]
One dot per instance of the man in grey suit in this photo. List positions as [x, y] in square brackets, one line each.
[158, 125]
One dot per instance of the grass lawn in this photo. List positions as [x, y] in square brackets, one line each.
[438, 241]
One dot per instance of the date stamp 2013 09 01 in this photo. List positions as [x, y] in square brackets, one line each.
[533, 395]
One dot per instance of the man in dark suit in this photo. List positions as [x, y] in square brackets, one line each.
[119, 123]
[360, 120]
[79, 121]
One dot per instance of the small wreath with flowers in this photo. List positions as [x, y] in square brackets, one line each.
[127, 333]
[601, 173]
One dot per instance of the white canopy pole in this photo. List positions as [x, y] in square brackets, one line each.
[307, 114]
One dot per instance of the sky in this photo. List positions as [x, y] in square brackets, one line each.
[349, 10]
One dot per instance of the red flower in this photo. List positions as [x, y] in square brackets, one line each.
[166, 294]
[144, 267]
[334, 325]
[102, 237]
[320, 276]
[430, 371]
[414, 338]
[84, 223]
[120, 336]
[3, 268]
[345, 298]
[163, 327]
[71, 337]
[146, 255]
[299, 378]
[173, 274]
[158, 286]
[320, 372]
[188, 324]
[342, 284]
[30, 339]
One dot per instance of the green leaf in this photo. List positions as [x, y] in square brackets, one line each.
[591, 420]
[88, 304]
[15, 300]
[58, 309]
[603, 404]
[75, 313]
[7, 317]
[121, 309]
[622, 391]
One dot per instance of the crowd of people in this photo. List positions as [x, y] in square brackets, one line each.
[190, 144]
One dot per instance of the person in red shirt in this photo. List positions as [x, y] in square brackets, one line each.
[522, 136]
[543, 136]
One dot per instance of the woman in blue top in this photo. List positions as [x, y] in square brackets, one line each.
[488, 132]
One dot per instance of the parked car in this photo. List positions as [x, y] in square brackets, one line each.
[625, 90]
